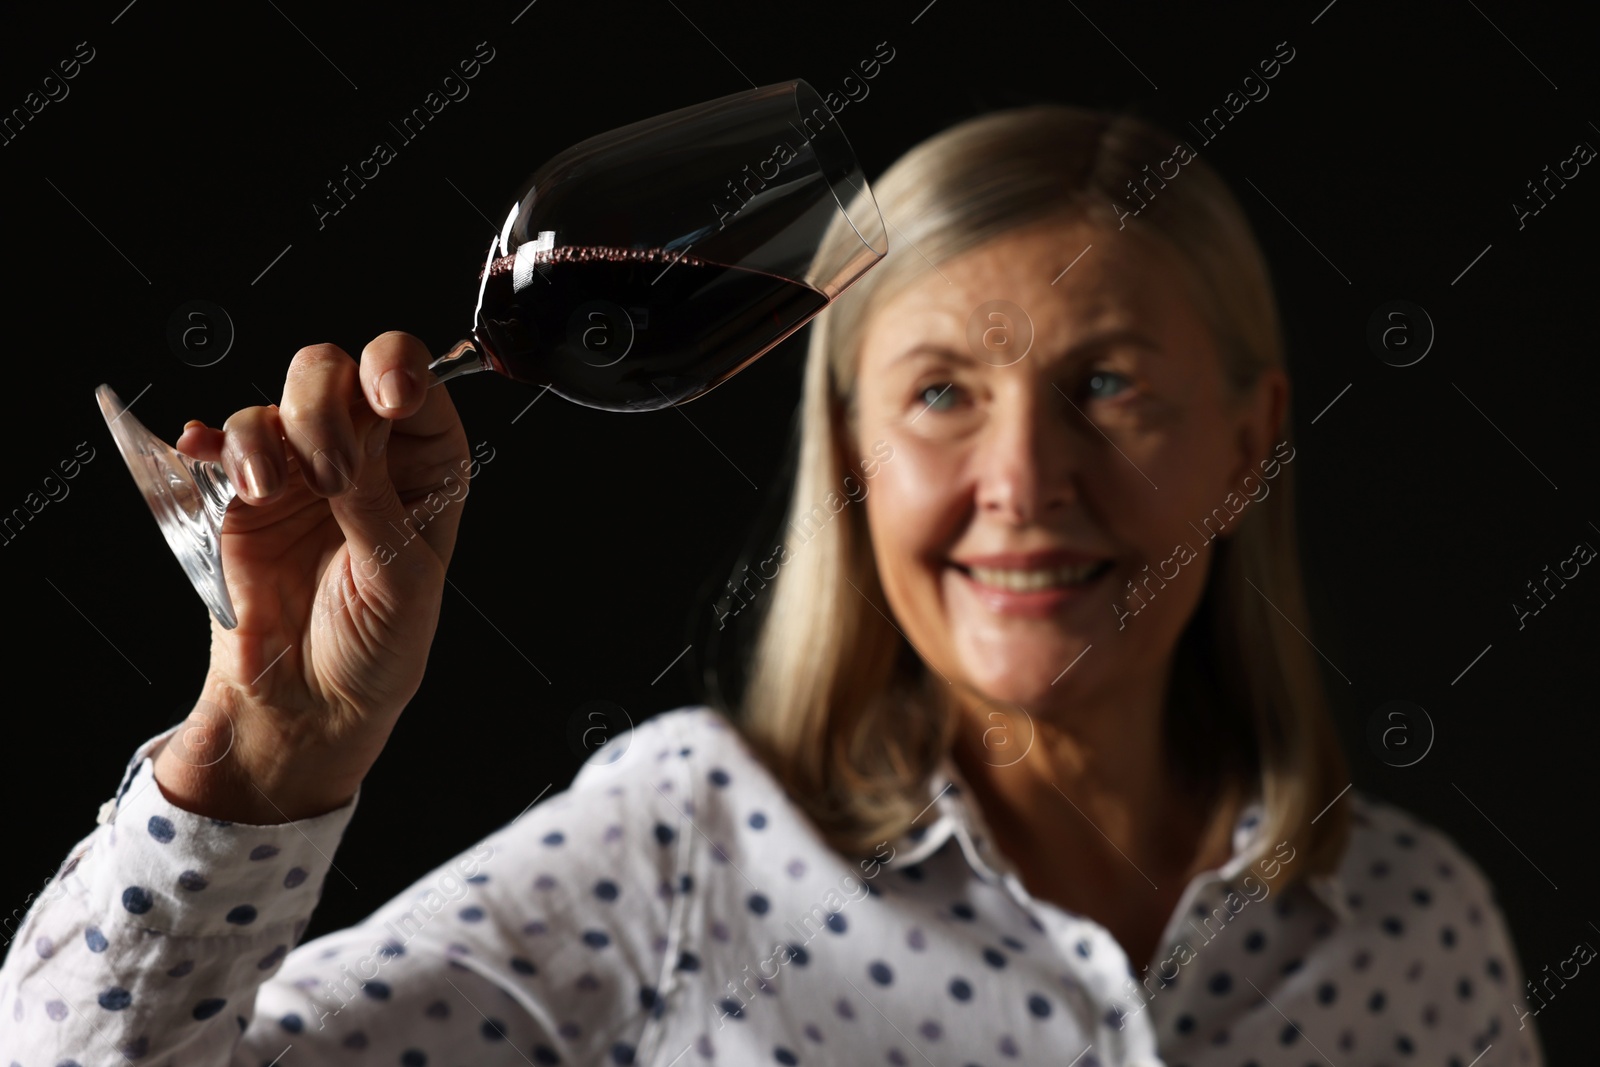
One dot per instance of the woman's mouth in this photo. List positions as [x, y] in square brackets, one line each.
[1019, 580]
[1034, 591]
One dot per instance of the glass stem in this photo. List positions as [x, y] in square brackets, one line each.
[464, 357]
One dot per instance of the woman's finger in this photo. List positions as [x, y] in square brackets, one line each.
[253, 453]
[319, 395]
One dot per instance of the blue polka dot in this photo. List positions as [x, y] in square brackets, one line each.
[1083, 948]
[193, 881]
[390, 949]
[437, 1010]
[1327, 992]
[263, 852]
[961, 989]
[880, 972]
[1464, 989]
[757, 820]
[136, 899]
[294, 877]
[836, 922]
[208, 1007]
[685, 883]
[1039, 1006]
[523, 966]
[606, 889]
[1376, 1001]
[1393, 926]
[1185, 1023]
[376, 990]
[798, 955]
[115, 999]
[95, 939]
[139, 1046]
[554, 837]
[994, 957]
[355, 1041]
[758, 904]
[719, 777]
[1012, 943]
[1447, 937]
[493, 1030]
[545, 1055]
[161, 829]
[243, 915]
[664, 833]
[596, 938]
[1255, 941]
[413, 1057]
[962, 910]
[647, 997]
[913, 872]
[292, 1023]
[478, 879]
[688, 961]
[1288, 1034]
[470, 914]
[1421, 896]
[621, 1054]
[1220, 983]
[45, 948]
[784, 1056]
[1403, 1043]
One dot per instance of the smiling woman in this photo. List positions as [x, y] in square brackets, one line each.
[1058, 839]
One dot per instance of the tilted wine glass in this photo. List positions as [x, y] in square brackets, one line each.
[635, 270]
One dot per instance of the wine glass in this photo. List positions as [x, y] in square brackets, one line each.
[636, 270]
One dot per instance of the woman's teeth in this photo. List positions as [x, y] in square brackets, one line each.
[1028, 581]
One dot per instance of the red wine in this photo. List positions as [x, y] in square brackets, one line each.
[632, 329]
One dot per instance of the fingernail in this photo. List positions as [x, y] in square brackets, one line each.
[256, 474]
[332, 470]
[392, 387]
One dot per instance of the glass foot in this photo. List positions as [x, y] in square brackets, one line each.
[187, 496]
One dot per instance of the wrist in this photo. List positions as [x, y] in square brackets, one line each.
[227, 761]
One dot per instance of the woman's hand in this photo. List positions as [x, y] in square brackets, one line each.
[350, 494]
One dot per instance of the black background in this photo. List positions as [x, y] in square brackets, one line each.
[189, 151]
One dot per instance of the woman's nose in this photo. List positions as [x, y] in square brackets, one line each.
[1029, 452]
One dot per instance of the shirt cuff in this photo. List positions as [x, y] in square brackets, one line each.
[176, 872]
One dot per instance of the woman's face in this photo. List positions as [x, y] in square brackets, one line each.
[1024, 494]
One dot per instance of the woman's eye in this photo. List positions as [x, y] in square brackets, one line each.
[1103, 385]
[939, 397]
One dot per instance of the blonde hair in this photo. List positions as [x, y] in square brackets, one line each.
[838, 704]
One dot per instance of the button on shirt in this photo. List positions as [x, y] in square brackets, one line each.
[675, 907]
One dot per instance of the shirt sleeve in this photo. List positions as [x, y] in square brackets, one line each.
[170, 936]
[1492, 995]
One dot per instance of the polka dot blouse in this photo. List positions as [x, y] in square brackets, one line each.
[674, 907]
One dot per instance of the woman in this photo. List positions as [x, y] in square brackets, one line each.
[1033, 762]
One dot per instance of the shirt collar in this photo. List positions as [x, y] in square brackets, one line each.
[952, 812]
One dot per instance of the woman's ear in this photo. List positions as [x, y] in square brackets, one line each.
[1262, 413]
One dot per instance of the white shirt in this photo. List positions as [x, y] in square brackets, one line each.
[674, 907]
